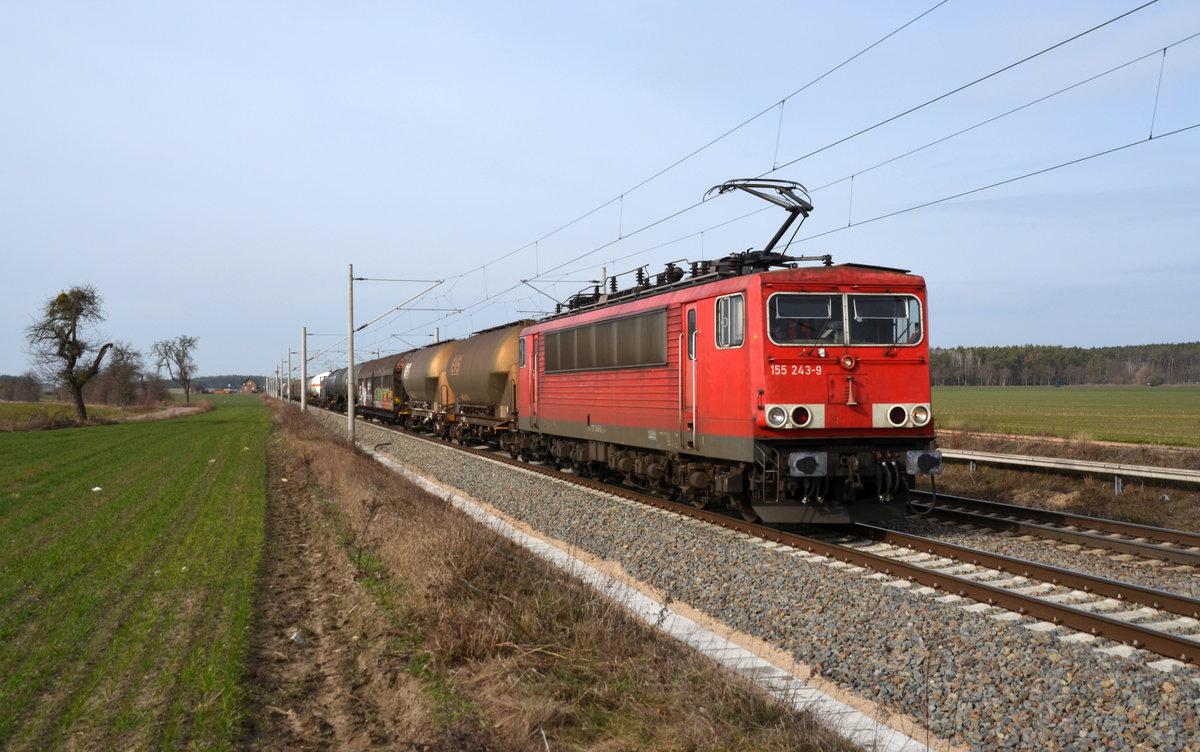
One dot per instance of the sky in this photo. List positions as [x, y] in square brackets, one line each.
[214, 169]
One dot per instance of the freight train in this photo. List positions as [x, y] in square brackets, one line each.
[793, 394]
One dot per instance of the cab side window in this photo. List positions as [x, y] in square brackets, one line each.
[731, 321]
[691, 334]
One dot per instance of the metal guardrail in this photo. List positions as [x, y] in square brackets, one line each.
[1116, 469]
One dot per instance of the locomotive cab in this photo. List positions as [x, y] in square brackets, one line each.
[844, 424]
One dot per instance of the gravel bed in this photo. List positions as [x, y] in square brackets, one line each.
[968, 678]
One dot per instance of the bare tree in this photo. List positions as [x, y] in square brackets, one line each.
[58, 345]
[176, 356]
[153, 389]
[118, 382]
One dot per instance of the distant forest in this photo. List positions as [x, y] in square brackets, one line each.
[1034, 365]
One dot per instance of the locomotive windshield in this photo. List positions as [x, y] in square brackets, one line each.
[884, 320]
[804, 319]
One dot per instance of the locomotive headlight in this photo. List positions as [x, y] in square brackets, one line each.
[776, 416]
[848, 362]
[920, 415]
[909, 415]
[801, 416]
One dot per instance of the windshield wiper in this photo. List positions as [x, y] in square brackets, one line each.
[902, 335]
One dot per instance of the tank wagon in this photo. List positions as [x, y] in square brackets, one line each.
[482, 376]
[315, 391]
[794, 394]
[427, 386]
[333, 389]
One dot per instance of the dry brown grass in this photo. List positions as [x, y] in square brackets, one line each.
[511, 652]
[1142, 501]
[203, 406]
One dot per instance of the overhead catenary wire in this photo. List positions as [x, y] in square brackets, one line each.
[962, 88]
[1007, 181]
[961, 131]
[1015, 110]
[912, 110]
[868, 129]
[916, 207]
[624, 235]
[620, 197]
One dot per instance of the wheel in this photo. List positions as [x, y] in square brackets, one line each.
[742, 503]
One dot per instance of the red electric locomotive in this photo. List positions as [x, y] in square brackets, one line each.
[795, 394]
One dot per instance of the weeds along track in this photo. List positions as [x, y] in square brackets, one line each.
[917, 641]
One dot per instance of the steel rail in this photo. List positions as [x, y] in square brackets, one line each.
[1133, 529]
[1163, 643]
[1092, 540]
[1124, 591]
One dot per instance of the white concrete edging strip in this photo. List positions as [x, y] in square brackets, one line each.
[842, 718]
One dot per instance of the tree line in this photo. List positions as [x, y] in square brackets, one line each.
[1046, 365]
[67, 352]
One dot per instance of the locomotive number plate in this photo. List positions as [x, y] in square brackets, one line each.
[794, 369]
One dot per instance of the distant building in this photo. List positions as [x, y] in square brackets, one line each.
[249, 386]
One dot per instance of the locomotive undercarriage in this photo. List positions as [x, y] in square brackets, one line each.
[838, 483]
[786, 484]
[700, 481]
[853, 483]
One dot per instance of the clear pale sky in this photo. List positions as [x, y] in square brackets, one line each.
[213, 168]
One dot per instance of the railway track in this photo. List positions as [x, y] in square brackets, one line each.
[1139, 616]
[1161, 622]
[1177, 547]
[970, 671]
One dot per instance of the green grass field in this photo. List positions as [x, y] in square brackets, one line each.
[127, 561]
[1140, 415]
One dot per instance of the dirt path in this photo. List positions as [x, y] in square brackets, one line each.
[170, 412]
[320, 676]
